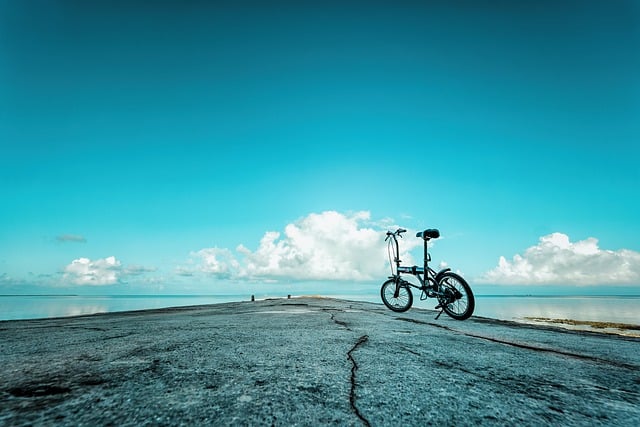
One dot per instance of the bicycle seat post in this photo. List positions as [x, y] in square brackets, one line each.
[426, 256]
[427, 235]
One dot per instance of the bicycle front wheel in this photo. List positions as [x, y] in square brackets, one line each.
[396, 296]
[457, 299]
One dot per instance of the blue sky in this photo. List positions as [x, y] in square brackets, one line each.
[157, 148]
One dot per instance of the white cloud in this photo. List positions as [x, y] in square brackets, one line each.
[83, 271]
[556, 260]
[215, 261]
[324, 246]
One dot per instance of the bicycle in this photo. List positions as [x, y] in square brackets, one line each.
[453, 293]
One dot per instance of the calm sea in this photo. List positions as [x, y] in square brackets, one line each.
[619, 309]
[46, 306]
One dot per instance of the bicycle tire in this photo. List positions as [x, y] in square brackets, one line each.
[458, 301]
[401, 302]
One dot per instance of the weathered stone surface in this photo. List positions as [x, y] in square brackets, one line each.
[311, 361]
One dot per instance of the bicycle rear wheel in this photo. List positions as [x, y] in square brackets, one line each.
[457, 299]
[396, 296]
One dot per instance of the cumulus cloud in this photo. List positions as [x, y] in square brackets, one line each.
[321, 246]
[556, 260]
[73, 238]
[217, 261]
[83, 271]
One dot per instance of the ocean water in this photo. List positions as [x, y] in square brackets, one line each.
[48, 306]
[618, 309]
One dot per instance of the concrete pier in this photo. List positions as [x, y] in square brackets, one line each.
[311, 361]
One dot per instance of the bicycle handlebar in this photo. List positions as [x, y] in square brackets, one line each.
[398, 232]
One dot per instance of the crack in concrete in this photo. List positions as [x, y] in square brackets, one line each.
[340, 322]
[526, 346]
[354, 368]
[336, 321]
[410, 351]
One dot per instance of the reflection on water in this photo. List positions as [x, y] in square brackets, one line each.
[602, 309]
[79, 310]
[35, 307]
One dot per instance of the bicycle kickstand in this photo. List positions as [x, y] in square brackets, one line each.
[441, 311]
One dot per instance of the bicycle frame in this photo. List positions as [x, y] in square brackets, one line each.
[453, 293]
[426, 275]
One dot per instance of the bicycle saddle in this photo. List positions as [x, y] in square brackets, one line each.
[430, 233]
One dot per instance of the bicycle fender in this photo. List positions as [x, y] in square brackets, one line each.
[440, 273]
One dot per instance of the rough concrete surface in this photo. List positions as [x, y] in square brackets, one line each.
[311, 361]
